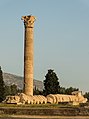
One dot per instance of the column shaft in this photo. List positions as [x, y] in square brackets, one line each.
[28, 61]
[28, 54]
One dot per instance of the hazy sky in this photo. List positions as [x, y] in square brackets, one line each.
[61, 39]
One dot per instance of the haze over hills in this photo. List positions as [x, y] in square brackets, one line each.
[10, 79]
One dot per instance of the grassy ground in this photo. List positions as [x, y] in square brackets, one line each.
[16, 111]
[37, 106]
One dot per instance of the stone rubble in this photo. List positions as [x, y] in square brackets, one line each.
[22, 98]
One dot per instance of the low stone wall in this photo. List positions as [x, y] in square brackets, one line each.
[47, 112]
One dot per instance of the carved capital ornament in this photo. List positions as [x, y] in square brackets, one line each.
[28, 21]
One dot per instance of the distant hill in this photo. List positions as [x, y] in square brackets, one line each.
[10, 79]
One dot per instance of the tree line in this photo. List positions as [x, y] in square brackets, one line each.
[51, 86]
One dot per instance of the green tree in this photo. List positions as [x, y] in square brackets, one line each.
[37, 92]
[19, 90]
[70, 90]
[2, 86]
[51, 84]
[14, 89]
[62, 90]
[7, 90]
[86, 95]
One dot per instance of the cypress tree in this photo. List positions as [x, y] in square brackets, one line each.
[2, 86]
[51, 84]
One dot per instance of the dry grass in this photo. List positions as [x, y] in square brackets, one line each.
[36, 106]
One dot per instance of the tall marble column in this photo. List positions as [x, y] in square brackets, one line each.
[28, 54]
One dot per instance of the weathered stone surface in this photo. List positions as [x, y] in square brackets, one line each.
[40, 99]
[75, 98]
[28, 54]
[12, 100]
[25, 99]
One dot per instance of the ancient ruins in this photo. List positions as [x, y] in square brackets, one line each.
[75, 99]
[28, 54]
[27, 97]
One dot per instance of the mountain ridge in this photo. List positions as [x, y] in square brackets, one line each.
[11, 79]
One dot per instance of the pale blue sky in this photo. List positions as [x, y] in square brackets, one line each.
[61, 39]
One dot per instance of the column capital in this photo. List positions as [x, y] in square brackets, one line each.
[29, 21]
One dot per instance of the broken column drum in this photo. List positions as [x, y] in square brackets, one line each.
[28, 54]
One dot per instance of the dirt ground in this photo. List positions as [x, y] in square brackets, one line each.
[42, 117]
